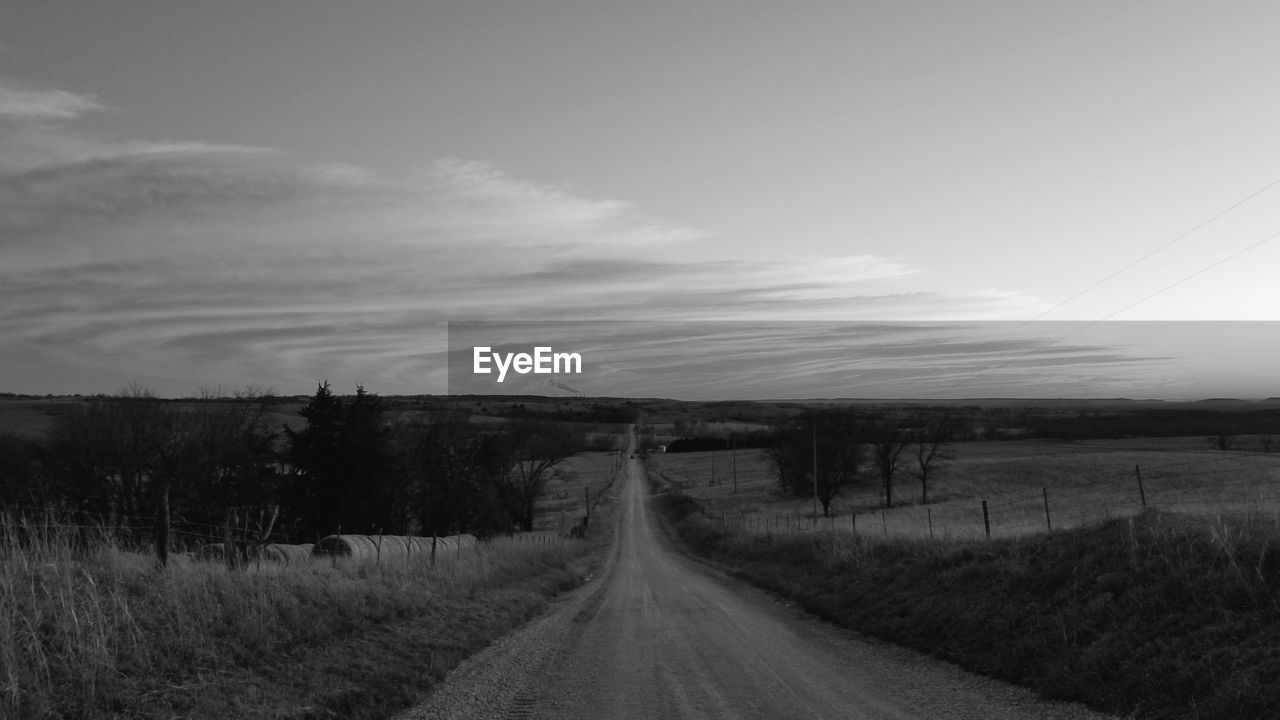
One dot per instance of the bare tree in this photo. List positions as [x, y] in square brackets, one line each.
[455, 474]
[830, 437]
[1223, 440]
[537, 447]
[173, 460]
[888, 439]
[930, 442]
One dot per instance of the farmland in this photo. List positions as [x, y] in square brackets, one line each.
[86, 606]
[1081, 482]
[1164, 612]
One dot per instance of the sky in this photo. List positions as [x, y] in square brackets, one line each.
[216, 195]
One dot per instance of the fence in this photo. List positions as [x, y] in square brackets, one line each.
[26, 528]
[1170, 486]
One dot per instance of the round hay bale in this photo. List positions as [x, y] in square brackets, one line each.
[393, 547]
[286, 554]
[354, 547]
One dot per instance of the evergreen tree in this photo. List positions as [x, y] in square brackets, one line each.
[316, 455]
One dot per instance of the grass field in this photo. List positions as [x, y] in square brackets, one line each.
[32, 418]
[1081, 482]
[103, 633]
[1160, 616]
[587, 475]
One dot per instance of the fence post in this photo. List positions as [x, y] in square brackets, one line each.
[334, 555]
[1048, 522]
[378, 556]
[986, 519]
[884, 521]
[1141, 492]
[853, 523]
[242, 547]
[226, 538]
[929, 512]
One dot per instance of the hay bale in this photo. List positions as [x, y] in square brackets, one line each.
[285, 554]
[354, 547]
[394, 547]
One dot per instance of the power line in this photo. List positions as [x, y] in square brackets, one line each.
[1131, 305]
[1061, 303]
[1163, 247]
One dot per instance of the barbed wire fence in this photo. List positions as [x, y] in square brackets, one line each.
[243, 533]
[1219, 485]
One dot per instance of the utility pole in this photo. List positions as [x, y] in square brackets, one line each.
[733, 449]
[815, 470]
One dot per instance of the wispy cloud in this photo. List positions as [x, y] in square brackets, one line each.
[26, 103]
[184, 263]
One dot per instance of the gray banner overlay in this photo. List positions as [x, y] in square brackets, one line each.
[945, 360]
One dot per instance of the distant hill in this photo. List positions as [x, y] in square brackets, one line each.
[988, 402]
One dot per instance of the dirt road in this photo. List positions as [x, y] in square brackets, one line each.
[662, 636]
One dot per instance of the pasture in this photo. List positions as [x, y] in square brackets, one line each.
[1081, 482]
[1169, 612]
[582, 477]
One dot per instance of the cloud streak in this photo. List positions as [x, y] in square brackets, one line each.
[25, 103]
[181, 264]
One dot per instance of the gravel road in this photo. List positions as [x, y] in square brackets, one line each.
[658, 635]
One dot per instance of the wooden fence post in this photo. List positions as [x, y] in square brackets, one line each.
[1048, 522]
[986, 519]
[1142, 494]
[334, 555]
[226, 538]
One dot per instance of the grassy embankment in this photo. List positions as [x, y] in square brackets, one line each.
[1161, 615]
[104, 633]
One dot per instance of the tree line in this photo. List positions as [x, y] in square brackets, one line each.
[135, 461]
[848, 446]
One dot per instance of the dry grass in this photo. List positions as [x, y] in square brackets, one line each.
[565, 496]
[1161, 615]
[1084, 482]
[129, 639]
